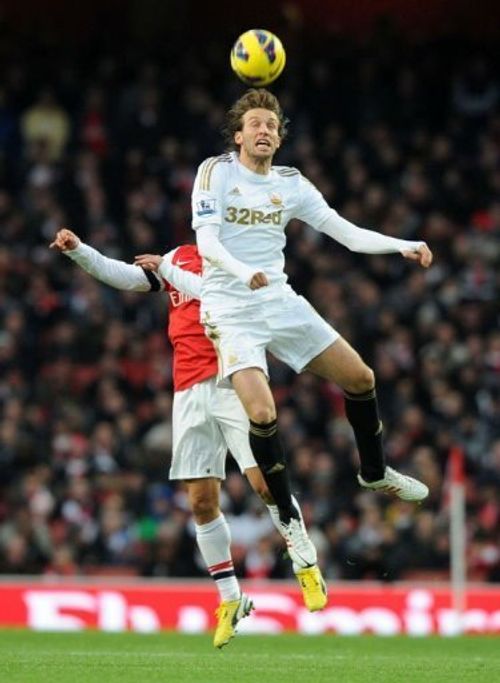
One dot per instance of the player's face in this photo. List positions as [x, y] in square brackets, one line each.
[258, 137]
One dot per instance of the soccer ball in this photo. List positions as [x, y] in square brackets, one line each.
[258, 57]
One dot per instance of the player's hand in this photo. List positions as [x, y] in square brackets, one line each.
[148, 261]
[258, 280]
[423, 255]
[65, 240]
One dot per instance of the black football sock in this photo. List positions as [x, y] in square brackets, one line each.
[362, 413]
[268, 453]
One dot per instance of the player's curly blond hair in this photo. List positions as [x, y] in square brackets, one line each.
[255, 98]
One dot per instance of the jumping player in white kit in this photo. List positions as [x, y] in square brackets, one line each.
[207, 421]
[241, 205]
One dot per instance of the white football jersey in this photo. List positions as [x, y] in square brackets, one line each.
[252, 211]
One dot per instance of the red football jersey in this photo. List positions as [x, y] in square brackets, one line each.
[194, 355]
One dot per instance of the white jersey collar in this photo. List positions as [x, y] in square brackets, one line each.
[251, 175]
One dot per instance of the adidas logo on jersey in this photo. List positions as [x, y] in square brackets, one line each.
[235, 192]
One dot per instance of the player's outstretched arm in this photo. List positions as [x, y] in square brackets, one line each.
[183, 281]
[113, 272]
[314, 210]
[372, 242]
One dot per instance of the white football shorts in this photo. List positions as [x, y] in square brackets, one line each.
[206, 422]
[287, 326]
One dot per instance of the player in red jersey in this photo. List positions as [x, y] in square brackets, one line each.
[207, 421]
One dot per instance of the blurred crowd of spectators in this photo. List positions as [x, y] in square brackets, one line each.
[402, 139]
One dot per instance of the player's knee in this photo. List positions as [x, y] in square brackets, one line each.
[361, 381]
[204, 509]
[262, 414]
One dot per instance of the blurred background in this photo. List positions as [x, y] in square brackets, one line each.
[106, 110]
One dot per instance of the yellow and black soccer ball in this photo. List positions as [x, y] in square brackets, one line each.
[258, 57]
